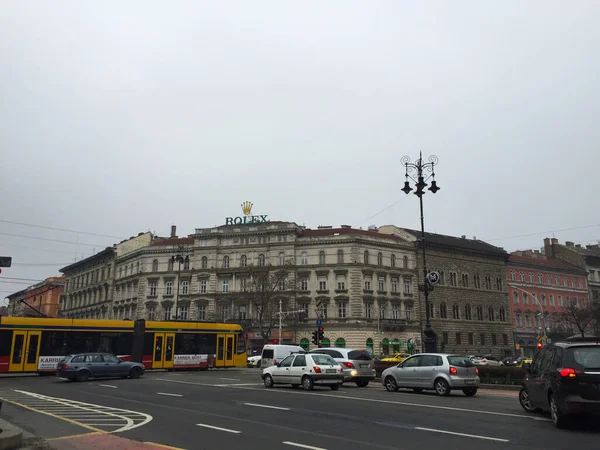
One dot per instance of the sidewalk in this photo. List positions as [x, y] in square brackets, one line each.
[102, 441]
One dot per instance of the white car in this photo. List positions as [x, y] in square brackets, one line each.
[253, 361]
[307, 370]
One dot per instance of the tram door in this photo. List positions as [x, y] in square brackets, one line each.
[225, 347]
[164, 351]
[24, 352]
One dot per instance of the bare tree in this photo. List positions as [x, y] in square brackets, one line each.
[581, 318]
[265, 286]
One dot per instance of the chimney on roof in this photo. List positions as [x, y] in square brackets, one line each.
[569, 244]
[548, 247]
[173, 231]
[474, 238]
[578, 246]
[554, 241]
[464, 236]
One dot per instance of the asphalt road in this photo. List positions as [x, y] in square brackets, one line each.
[231, 409]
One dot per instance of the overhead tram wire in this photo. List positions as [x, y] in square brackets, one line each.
[53, 240]
[383, 210]
[544, 232]
[61, 229]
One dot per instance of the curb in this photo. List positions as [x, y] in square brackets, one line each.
[502, 387]
[11, 437]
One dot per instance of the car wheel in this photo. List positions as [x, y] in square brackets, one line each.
[470, 392]
[334, 387]
[268, 380]
[362, 383]
[307, 383]
[559, 419]
[83, 375]
[258, 365]
[418, 390]
[135, 372]
[442, 387]
[526, 402]
[390, 383]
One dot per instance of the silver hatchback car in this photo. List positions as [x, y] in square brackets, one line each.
[437, 371]
[357, 364]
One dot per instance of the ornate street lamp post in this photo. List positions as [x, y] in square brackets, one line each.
[180, 259]
[423, 171]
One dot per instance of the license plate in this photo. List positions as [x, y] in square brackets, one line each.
[330, 371]
[469, 381]
[365, 365]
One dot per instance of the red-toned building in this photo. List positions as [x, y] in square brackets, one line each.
[41, 299]
[539, 289]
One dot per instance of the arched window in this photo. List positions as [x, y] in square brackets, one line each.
[321, 257]
[379, 259]
[125, 270]
[366, 257]
[261, 260]
[393, 260]
[282, 259]
[468, 312]
[243, 261]
[186, 264]
[385, 346]
[518, 319]
[137, 267]
[325, 342]
[405, 262]
[480, 313]
[155, 265]
[225, 262]
[443, 311]
[340, 256]
[370, 345]
[340, 342]
[304, 259]
[204, 262]
[491, 314]
[305, 344]
[169, 266]
[396, 345]
[431, 310]
[455, 312]
[502, 315]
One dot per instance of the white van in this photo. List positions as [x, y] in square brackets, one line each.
[272, 354]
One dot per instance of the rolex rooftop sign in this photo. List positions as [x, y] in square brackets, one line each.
[248, 218]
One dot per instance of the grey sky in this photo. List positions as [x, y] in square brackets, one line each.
[119, 117]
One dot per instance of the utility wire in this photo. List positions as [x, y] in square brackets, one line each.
[21, 279]
[544, 232]
[60, 229]
[53, 240]
[383, 210]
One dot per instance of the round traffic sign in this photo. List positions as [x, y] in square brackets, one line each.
[433, 277]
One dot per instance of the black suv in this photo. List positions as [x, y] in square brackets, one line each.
[563, 378]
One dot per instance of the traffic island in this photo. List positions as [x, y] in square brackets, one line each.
[11, 437]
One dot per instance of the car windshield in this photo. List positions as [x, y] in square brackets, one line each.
[460, 361]
[359, 355]
[584, 357]
[323, 359]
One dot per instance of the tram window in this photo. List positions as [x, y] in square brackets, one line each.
[5, 342]
[241, 344]
[148, 343]
[229, 347]
[206, 344]
[185, 344]
[123, 344]
[54, 343]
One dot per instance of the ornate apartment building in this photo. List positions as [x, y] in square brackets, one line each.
[469, 307]
[360, 283]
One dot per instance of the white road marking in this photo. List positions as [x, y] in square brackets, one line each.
[462, 434]
[171, 395]
[347, 397]
[295, 444]
[108, 385]
[218, 428]
[230, 379]
[267, 406]
[234, 384]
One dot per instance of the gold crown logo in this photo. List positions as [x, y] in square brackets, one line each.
[247, 208]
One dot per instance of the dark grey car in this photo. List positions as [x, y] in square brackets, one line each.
[83, 366]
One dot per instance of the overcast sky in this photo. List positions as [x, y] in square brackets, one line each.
[120, 117]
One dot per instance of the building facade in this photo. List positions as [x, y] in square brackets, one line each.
[88, 291]
[361, 284]
[39, 300]
[539, 289]
[469, 307]
[587, 258]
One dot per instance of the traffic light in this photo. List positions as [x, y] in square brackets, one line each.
[315, 338]
[539, 345]
[321, 334]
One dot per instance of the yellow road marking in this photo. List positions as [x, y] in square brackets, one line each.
[73, 436]
[164, 446]
[74, 422]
